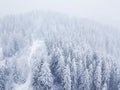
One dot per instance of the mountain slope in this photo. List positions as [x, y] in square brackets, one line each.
[66, 53]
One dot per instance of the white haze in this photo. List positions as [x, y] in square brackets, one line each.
[44, 50]
[103, 11]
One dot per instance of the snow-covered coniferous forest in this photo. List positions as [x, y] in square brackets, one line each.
[49, 51]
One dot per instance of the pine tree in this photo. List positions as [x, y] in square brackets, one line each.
[114, 78]
[66, 79]
[68, 60]
[90, 70]
[105, 72]
[104, 87]
[35, 79]
[59, 67]
[97, 77]
[73, 70]
[45, 77]
[80, 69]
[55, 58]
[118, 86]
[85, 83]
[2, 78]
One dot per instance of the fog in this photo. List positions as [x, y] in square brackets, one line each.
[103, 11]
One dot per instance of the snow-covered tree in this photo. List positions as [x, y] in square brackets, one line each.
[73, 69]
[35, 78]
[66, 79]
[118, 86]
[114, 77]
[85, 82]
[80, 69]
[44, 77]
[59, 67]
[55, 58]
[2, 78]
[104, 87]
[97, 77]
[105, 72]
[90, 70]
[68, 60]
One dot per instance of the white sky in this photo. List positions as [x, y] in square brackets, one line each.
[104, 11]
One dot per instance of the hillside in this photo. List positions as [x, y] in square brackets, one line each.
[49, 51]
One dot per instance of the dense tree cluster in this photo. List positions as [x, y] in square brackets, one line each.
[50, 53]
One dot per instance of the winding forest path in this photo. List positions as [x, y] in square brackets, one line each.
[27, 84]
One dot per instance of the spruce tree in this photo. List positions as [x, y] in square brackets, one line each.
[45, 77]
[73, 74]
[90, 70]
[97, 77]
[66, 79]
[85, 83]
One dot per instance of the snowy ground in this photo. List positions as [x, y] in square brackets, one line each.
[27, 85]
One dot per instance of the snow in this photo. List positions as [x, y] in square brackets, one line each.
[27, 85]
[50, 51]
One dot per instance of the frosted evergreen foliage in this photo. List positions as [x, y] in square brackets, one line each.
[47, 51]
